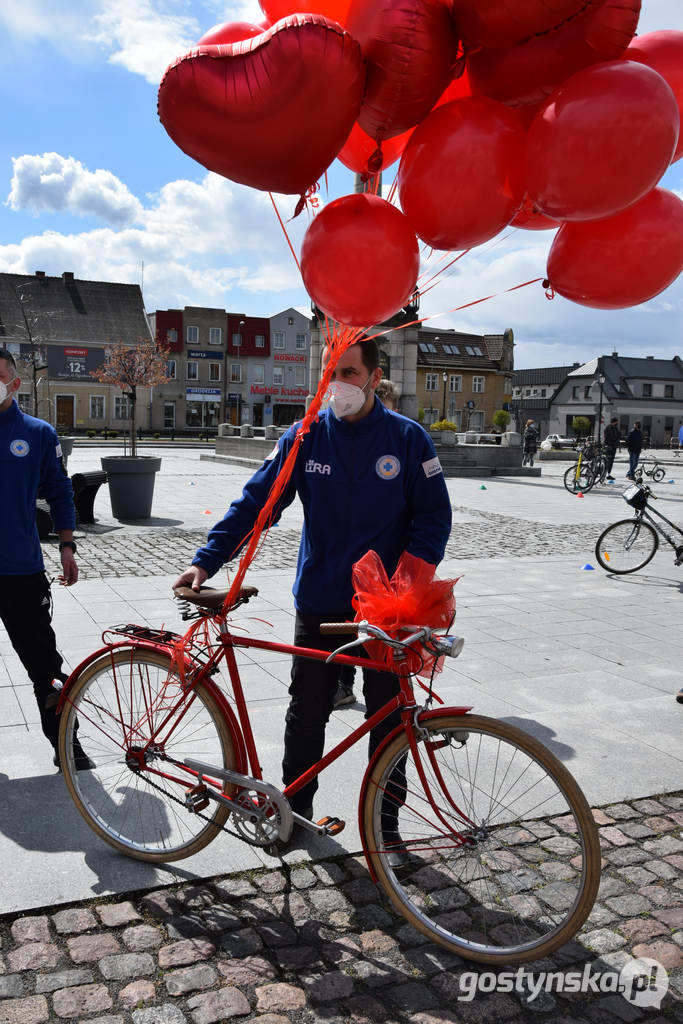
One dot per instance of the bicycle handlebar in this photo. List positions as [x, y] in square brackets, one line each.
[339, 627]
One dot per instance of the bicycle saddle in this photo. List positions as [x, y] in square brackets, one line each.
[208, 597]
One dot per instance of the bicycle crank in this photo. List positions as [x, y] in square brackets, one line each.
[262, 813]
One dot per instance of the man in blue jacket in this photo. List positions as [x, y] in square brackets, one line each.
[31, 466]
[368, 479]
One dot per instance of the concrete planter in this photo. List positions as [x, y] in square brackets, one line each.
[67, 446]
[131, 484]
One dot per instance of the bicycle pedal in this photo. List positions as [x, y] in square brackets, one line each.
[332, 826]
[196, 799]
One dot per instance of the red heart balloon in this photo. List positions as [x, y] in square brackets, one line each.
[360, 260]
[622, 260]
[500, 23]
[272, 111]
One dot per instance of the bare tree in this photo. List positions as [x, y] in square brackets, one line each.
[129, 367]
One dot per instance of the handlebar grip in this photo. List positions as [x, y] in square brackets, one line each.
[339, 627]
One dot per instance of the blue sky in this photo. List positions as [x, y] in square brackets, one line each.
[91, 183]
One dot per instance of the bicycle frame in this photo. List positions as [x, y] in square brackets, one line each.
[648, 513]
[223, 649]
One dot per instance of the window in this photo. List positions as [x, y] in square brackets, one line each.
[647, 390]
[192, 335]
[473, 350]
[478, 385]
[97, 407]
[121, 408]
[290, 321]
[430, 384]
[576, 392]
[301, 341]
[169, 415]
[448, 350]
[215, 336]
[172, 336]
[278, 375]
[260, 341]
[300, 376]
[214, 372]
[24, 401]
[202, 414]
[192, 370]
[279, 339]
[454, 383]
[170, 368]
[668, 390]
[235, 373]
[543, 392]
[259, 372]
[237, 340]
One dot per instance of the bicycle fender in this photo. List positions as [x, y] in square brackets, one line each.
[441, 712]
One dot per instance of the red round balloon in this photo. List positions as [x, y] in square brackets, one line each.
[500, 23]
[410, 48]
[231, 32]
[271, 111]
[359, 151]
[663, 51]
[461, 176]
[360, 260]
[622, 260]
[601, 142]
[335, 10]
[529, 71]
[530, 218]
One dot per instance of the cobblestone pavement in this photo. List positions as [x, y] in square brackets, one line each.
[479, 535]
[318, 942]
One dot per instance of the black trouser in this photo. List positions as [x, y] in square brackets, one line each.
[610, 453]
[26, 613]
[312, 691]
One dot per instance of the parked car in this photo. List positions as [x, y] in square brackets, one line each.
[555, 441]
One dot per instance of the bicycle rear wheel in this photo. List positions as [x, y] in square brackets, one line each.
[114, 707]
[504, 855]
[578, 481]
[658, 474]
[626, 546]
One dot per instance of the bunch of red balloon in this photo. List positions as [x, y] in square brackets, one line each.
[537, 113]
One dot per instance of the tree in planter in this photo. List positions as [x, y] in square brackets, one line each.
[581, 425]
[501, 418]
[129, 367]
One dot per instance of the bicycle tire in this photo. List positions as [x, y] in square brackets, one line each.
[583, 481]
[626, 546]
[658, 474]
[493, 899]
[120, 694]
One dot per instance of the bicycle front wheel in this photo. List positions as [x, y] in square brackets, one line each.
[134, 796]
[578, 480]
[626, 546]
[504, 858]
[658, 474]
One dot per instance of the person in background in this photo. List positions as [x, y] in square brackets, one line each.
[634, 444]
[680, 436]
[31, 464]
[530, 443]
[612, 439]
[387, 392]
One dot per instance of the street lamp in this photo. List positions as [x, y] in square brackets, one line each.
[600, 380]
[239, 363]
[444, 377]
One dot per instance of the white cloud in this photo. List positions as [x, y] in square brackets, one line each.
[55, 184]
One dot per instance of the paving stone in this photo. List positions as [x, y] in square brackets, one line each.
[236, 888]
[601, 817]
[328, 900]
[636, 875]
[211, 1007]
[70, 922]
[114, 915]
[241, 943]
[73, 1003]
[636, 830]
[412, 996]
[672, 917]
[122, 966]
[31, 929]
[167, 1013]
[365, 1008]
[621, 812]
[649, 807]
[660, 847]
[280, 997]
[660, 896]
[303, 878]
[377, 941]
[87, 948]
[294, 958]
[273, 1018]
[661, 824]
[273, 881]
[277, 933]
[329, 873]
[615, 836]
[661, 869]
[667, 953]
[190, 979]
[161, 904]
[141, 937]
[34, 956]
[629, 904]
[31, 1010]
[187, 951]
[250, 971]
[325, 988]
[11, 986]
[373, 916]
[139, 991]
[186, 926]
[602, 940]
[360, 890]
[627, 855]
[63, 979]
[641, 929]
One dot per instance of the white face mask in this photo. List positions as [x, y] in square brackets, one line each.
[4, 390]
[345, 399]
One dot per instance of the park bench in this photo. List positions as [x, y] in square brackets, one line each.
[86, 486]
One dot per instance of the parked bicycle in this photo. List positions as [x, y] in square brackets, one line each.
[589, 468]
[652, 468]
[630, 544]
[467, 798]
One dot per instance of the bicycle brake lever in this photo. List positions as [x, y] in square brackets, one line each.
[359, 641]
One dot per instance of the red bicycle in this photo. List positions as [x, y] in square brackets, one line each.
[468, 799]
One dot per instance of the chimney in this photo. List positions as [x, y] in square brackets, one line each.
[40, 273]
[68, 278]
[615, 355]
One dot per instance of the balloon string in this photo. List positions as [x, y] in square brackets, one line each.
[284, 229]
[433, 280]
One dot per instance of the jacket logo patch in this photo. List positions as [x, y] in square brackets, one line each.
[318, 467]
[387, 467]
[20, 448]
[432, 467]
[271, 455]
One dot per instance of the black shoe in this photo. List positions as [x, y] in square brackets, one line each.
[343, 696]
[679, 696]
[82, 762]
[396, 853]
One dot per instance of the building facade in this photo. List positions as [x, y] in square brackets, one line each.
[533, 392]
[59, 330]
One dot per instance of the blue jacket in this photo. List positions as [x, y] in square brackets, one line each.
[30, 467]
[373, 484]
